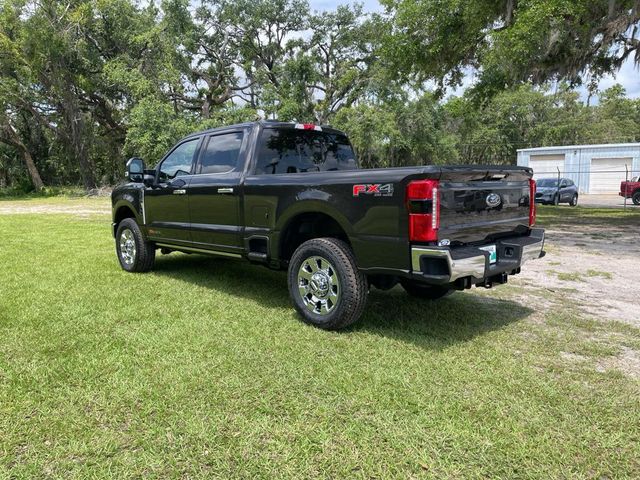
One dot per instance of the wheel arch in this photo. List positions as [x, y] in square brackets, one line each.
[121, 210]
[311, 220]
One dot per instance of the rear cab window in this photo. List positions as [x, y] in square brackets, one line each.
[289, 150]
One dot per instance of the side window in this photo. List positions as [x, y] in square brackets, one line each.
[178, 162]
[221, 154]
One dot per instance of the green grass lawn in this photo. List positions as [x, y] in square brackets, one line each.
[202, 369]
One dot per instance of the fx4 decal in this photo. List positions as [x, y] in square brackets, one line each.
[375, 189]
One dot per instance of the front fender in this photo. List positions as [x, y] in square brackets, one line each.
[132, 200]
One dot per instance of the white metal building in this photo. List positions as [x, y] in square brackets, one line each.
[594, 168]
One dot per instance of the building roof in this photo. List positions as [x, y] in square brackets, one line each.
[578, 147]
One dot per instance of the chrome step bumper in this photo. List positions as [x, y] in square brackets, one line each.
[445, 265]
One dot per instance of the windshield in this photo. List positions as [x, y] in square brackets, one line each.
[548, 182]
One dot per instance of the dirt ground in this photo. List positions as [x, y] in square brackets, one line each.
[606, 201]
[599, 268]
[83, 206]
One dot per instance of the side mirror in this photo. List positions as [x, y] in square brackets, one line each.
[149, 180]
[135, 170]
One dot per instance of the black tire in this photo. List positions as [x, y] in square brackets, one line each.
[140, 259]
[556, 199]
[635, 198]
[430, 292]
[341, 276]
[574, 200]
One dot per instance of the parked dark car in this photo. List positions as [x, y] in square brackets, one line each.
[553, 191]
[291, 196]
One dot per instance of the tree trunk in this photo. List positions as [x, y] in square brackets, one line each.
[76, 125]
[33, 171]
[12, 138]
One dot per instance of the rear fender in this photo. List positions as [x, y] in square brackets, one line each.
[308, 206]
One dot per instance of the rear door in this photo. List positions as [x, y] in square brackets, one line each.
[166, 204]
[214, 193]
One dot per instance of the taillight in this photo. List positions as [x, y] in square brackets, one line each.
[423, 203]
[532, 202]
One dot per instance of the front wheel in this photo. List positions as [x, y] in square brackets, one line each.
[636, 198]
[421, 290]
[325, 285]
[134, 253]
[574, 200]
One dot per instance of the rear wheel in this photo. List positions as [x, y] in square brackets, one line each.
[421, 290]
[325, 285]
[636, 197]
[574, 200]
[134, 253]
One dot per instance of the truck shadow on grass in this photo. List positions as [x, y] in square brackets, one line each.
[430, 324]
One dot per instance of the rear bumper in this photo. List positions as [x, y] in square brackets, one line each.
[441, 265]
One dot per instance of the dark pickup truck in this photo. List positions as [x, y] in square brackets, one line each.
[291, 196]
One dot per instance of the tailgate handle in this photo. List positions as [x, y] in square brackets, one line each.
[225, 190]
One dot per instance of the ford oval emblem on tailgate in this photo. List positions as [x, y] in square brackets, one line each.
[493, 200]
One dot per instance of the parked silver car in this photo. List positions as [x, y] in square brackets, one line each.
[553, 191]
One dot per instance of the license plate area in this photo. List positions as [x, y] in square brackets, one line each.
[493, 253]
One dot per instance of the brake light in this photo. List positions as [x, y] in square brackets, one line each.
[532, 202]
[308, 126]
[423, 204]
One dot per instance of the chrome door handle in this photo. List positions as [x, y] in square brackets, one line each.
[225, 190]
[180, 191]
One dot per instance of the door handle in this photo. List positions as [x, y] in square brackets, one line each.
[225, 190]
[180, 191]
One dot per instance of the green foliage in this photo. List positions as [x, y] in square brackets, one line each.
[85, 84]
[511, 42]
[154, 127]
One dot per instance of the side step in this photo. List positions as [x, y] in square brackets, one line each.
[257, 257]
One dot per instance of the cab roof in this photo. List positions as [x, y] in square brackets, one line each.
[266, 124]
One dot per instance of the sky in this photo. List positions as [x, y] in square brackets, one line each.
[628, 76]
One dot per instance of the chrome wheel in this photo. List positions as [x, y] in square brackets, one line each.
[318, 285]
[127, 247]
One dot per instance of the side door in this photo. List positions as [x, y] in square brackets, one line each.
[214, 193]
[565, 190]
[166, 203]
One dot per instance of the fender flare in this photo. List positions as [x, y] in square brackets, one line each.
[308, 206]
[127, 201]
[313, 206]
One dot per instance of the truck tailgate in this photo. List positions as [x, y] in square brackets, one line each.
[476, 206]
